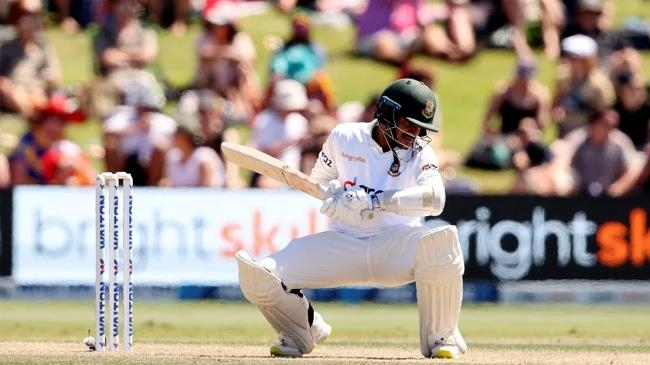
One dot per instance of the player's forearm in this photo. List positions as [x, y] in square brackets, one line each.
[417, 201]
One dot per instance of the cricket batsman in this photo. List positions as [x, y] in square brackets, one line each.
[382, 179]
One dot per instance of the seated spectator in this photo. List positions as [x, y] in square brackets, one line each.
[532, 161]
[393, 31]
[46, 132]
[632, 94]
[215, 129]
[137, 136]
[191, 164]
[623, 62]
[169, 14]
[319, 127]
[522, 97]
[226, 57]
[279, 129]
[487, 17]
[592, 18]
[633, 106]
[301, 59]
[553, 19]
[74, 14]
[123, 49]
[65, 163]
[580, 87]
[602, 165]
[563, 18]
[29, 66]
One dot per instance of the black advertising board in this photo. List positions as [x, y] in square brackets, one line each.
[530, 238]
[6, 215]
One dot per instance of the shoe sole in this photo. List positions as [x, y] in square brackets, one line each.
[277, 351]
[445, 354]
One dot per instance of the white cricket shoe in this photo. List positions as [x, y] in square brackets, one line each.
[284, 349]
[449, 348]
[319, 329]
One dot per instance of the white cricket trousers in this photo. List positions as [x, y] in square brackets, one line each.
[331, 259]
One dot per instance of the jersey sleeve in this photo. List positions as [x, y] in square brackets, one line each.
[428, 173]
[325, 169]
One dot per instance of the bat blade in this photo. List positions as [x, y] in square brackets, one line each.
[271, 167]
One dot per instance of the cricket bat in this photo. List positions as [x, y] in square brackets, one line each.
[269, 166]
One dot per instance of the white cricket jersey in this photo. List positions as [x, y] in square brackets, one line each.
[351, 156]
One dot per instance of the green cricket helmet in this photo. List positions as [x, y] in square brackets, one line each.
[411, 99]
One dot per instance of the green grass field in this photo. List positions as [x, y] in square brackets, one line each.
[233, 332]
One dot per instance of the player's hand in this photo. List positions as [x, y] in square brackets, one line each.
[347, 207]
[333, 192]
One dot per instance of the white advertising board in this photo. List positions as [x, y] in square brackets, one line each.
[181, 236]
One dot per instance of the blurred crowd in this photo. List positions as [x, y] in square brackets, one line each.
[170, 135]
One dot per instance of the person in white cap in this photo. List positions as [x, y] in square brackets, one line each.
[580, 87]
[278, 129]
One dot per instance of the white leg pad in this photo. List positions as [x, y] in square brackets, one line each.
[286, 312]
[439, 268]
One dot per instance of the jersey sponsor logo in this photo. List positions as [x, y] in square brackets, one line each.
[429, 166]
[353, 158]
[429, 107]
[350, 184]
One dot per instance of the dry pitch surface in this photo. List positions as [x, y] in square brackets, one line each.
[235, 333]
[72, 353]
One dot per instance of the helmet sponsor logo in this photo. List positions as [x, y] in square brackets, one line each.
[428, 109]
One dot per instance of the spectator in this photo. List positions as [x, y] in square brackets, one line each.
[553, 19]
[392, 31]
[624, 62]
[279, 129]
[633, 106]
[171, 14]
[123, 49]
[65, 163]
[319, 127]
[46, 133]
[225, 62]
[523, 97]
[214, 128]
[137, 136]
[476, 21]
[189, 163]
[580, 87]
[29, 66]
[604, 166]
[74, 14]
[532, 160]
[301, 59]
[563, 18]
[593, 18]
